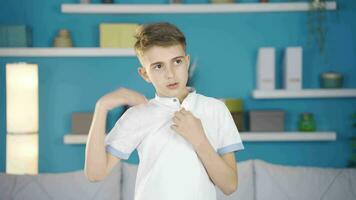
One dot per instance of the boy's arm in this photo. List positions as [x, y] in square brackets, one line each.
[222, 170]
[98, 163]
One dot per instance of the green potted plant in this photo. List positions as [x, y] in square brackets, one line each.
[316, 24]
[192, 73]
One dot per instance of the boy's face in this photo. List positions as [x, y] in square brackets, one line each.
[163, 66]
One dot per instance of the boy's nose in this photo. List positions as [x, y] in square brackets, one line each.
[169, 72]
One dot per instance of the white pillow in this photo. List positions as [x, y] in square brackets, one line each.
[280, 182]
[129, 172]
[69, 185]
[245, 188]
[7, 184]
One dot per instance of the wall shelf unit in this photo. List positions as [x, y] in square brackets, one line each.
[305, 93]
[191, 8]
[75, 139]
[287, 136]
[67, 52]
[246, 137]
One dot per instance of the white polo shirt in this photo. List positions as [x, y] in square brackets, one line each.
[169, 167]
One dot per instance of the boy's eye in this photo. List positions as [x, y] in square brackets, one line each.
[178, 61]
[157, 66]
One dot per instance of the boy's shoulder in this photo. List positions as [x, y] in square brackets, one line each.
[212, 102]
[141, 108]
[150, 108]
[143, 111]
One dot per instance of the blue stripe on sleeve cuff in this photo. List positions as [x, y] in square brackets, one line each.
[117, 153]
[231, 148]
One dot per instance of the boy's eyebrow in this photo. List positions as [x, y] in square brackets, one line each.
[155, 63]
[177, 57]
[162, 62]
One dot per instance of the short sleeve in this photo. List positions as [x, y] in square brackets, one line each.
[125, 136]
[228, 135]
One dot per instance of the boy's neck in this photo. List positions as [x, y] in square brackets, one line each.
[185, 94]
[182, 96]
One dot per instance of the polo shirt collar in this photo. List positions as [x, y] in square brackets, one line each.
[171, 101]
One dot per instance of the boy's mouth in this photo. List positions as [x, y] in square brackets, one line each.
[173, 85]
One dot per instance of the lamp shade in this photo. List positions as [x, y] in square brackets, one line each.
[21, 98]
[22, 154]
[22, 118]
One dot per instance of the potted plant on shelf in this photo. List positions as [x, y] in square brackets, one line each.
[192, 73]
[316, 24]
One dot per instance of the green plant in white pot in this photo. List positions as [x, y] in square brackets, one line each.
[316, 24]
[192, 73]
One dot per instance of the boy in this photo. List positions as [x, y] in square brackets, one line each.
[185, 140]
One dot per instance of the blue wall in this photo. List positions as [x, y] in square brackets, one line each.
[225, 45]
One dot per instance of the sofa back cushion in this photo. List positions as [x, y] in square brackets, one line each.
[58, 186]
[279, 182]
[7, 182]
[245, 189]
[128, 179]
[245, 175]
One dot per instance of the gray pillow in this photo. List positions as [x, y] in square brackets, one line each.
[7, 183]
[245, 188]
[303, 183]
[129, 172]
[59, 186]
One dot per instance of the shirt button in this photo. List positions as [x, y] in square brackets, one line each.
[174, 100]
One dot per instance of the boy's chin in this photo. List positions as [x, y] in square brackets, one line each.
[174, 92]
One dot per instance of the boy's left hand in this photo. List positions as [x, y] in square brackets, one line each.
[189, 127]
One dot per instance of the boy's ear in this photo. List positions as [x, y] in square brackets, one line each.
[143, 73]
[188, 60]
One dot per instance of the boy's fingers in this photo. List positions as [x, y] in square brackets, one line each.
[174, 127]
[175, 119]
[178, 114]
[183, 111]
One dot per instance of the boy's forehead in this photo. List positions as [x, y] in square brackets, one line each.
[162, 54]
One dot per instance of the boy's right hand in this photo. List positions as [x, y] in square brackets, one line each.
[121, 96]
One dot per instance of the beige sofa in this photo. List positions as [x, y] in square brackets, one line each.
[258, 180]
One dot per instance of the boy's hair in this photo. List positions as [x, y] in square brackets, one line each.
[157, 34]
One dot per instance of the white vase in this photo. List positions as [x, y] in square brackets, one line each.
[63, 39]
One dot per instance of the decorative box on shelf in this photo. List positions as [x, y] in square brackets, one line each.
[117, 35]
[81, 122]
[266, 120]
[15, 36]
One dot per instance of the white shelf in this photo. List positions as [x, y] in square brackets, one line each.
[66, 52]
[287, 136]
[75, 139]
[246, 137]
[306, 93]
[191, 8]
